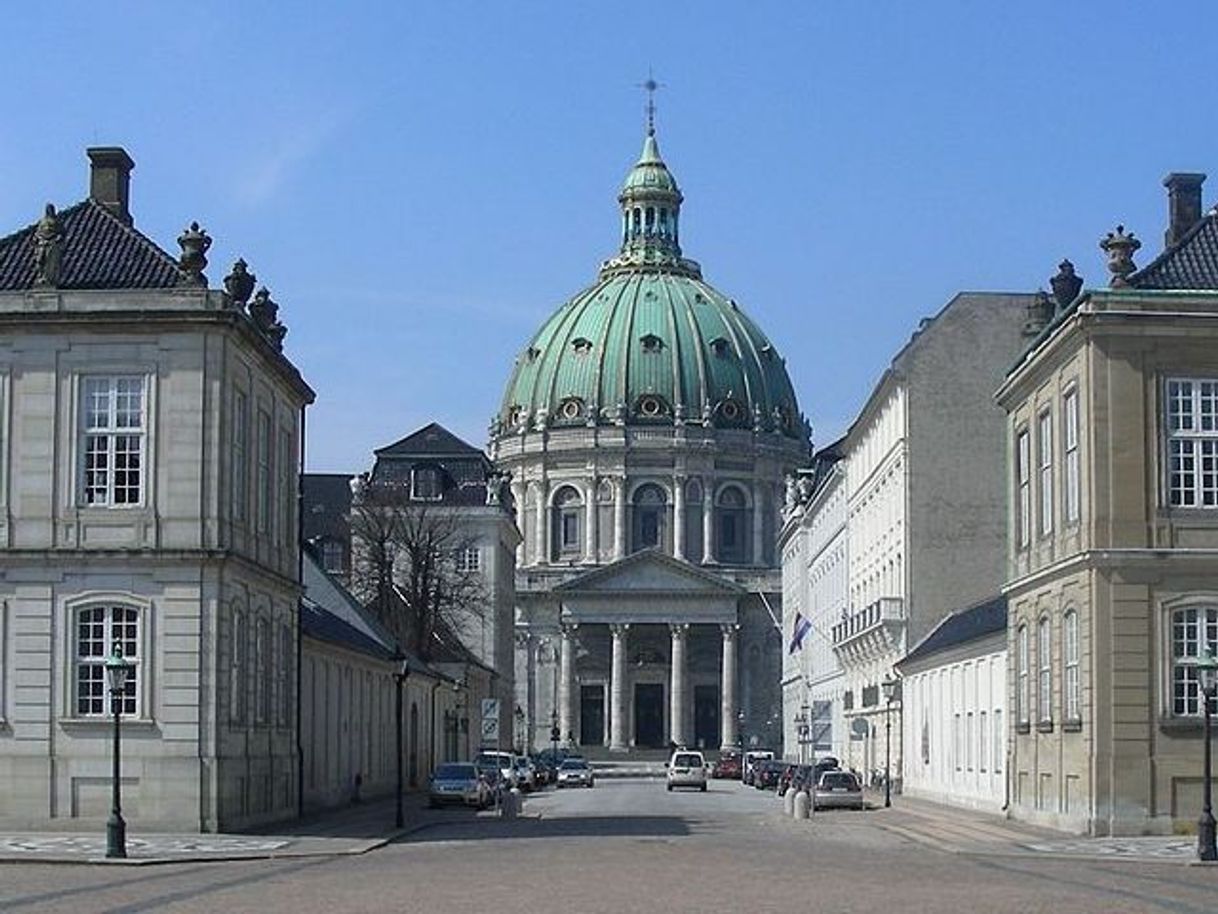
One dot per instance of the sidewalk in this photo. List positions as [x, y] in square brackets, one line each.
[354, 829]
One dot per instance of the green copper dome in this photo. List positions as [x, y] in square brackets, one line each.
[650, 342]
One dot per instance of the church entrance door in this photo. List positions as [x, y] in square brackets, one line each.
[706, 716]
[649, 715]
[591, 715]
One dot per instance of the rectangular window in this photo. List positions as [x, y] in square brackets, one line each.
[1023, 457]
[112, 440]
[237, 667]
[241, 420]
[1192, 443]
[1021, 692]
[1070, 438]
[287, 682]
[283, 475]
[265, 664]
[983, 740]
[1194, 635]
[332, 556]
[957, 750]
[1072, 709]
[98, 630]
[469, 559]
[1045, 442]
[968, 735]
[264, 471]
[1044, 685]
[569, 529]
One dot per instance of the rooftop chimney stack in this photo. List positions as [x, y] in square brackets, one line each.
[110, 179]
[1183, 204]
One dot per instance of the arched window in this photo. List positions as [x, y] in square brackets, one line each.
[566, 524]
[1071, 709]
[1021, 692]
[1194, 634]
[731, 525]
[1044, 660]
[238, 664]
[650, 509]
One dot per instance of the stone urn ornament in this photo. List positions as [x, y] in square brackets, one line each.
[1120, 248]
[194, 243]
[239, 284]
[1066, 284]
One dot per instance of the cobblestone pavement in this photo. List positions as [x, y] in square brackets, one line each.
[631, 846]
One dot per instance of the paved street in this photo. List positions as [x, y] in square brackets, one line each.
[629, 845]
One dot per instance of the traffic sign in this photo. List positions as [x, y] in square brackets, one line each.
[490, 731]
[490, 709]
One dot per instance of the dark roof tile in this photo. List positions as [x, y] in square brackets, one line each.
[963, 626]
[1189, 264]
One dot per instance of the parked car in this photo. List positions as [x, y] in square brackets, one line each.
[504, 761]
[574, 772]
[542, 772]
[526, 776]
[838, 790]
[458, 782]
[729, 765]
[687, 768]
[751, 758]
[766, 773]
[785, 776]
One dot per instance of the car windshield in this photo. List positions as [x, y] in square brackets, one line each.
[836, 779]
[490, 760]
[687, 761]
[455, 772]
[574, 765]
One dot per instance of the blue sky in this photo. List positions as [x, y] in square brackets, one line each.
[421, 184]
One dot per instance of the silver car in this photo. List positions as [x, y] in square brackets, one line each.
[838, 790]
[687, 769]
[458, 782]
[574, 772]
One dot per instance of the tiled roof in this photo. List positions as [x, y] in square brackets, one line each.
[431, 440]
[960, 627]
[100, 251]
[1191, 263]
[327, 505]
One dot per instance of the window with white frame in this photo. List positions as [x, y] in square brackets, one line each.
[266, 670]
[1044, 683]
[1070, 682]
[983, 740]
[968, 735]
[1000, 739]
[469, 559]
[1023, 482]
[241, 418]
[264, 471]
[238, 665]
[426, 483]
[1021, 692]
[1070, 443]
[957, 749]
[332, 556]
[99, 629]
[1045, 444]
[283, 476]
[1192, 443]
[112, 440]
[287, 682]
[1194, 635]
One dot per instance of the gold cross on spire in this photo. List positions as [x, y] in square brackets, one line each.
[650, 86]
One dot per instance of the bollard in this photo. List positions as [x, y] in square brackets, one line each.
[788, 802]
[510, 807]
[802, 805]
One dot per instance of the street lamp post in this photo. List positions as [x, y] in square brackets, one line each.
[117, 672]
[740, 731]
[1207, 672]
[399, 680]
[890, 687]
[801, 732]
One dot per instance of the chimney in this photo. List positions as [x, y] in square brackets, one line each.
[110, 179]
[1183, 204]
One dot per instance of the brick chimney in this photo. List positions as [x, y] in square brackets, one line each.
[1183, 204]
[110, 179]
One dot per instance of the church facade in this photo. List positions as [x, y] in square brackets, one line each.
[647, 428]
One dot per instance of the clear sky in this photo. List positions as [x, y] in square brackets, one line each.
[421, 184]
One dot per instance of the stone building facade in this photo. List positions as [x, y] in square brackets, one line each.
[647, 428]
[1113, 559]
[149, 456]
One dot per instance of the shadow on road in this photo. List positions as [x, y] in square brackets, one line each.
[484, 829]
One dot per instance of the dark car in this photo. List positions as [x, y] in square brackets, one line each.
[766, 774]
[728, 766]
[786, 777]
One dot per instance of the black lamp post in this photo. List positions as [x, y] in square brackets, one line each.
[399, 680]
[117, 672]
[889, 685]
[1207, 673]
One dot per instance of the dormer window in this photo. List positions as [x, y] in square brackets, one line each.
[731, 410]
[426, 483]
[651, 407]
[582, 345]
[720, 346]
[651, 343]
[571, 408]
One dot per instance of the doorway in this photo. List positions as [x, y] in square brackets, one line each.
[591, 715]
[706, 716]
[649, 715]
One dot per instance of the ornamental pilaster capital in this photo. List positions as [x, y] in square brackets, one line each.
[678, 630]
[567, 630]
[729, 630]
[619, 629]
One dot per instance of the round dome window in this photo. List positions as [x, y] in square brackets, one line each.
[651, 407]
[571, 409]
[731, 410]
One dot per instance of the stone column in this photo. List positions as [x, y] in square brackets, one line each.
[758, 525]
[566, 682]
[617, 689]
[727, 712]
[676, 693]
[708, 524]
[590, 522]
[518, 494]
[678, 516]
[619, 517]
[541, 542]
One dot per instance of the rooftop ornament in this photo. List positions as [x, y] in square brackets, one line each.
[48, 249]
[194, 243]
[1120, 248]
[239, 284]
[1066, 284]
[264, 312]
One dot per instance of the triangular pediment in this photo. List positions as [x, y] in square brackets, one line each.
[650, 571]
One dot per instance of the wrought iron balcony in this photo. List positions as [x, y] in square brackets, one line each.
[886, 613]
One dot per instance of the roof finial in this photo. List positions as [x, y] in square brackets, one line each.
[650, 86]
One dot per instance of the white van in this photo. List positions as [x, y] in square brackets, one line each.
[504, 761]
[687, 768]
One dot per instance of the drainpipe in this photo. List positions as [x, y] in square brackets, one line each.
[431, 754]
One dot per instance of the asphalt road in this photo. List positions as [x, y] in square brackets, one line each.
[629, 846]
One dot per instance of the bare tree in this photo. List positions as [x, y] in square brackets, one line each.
[407, 564]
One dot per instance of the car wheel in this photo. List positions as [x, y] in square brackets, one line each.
[670, 788]
[704, 788]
